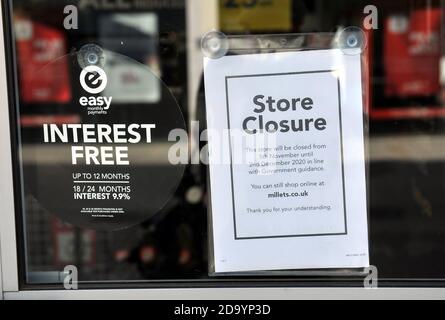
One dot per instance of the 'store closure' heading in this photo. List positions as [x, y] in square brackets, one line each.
[98, 134]
[253, 124]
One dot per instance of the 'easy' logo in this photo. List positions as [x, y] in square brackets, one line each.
[93, 79]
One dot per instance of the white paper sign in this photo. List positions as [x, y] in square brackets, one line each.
[287, 167]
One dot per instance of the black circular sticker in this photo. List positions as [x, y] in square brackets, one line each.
[104, 159]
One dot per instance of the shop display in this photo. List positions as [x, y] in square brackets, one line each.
[37, 46]
[256, 15]
[412, 53]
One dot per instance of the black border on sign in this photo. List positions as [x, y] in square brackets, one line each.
[231, 158]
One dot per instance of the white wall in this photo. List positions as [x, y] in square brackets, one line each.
[202, 17]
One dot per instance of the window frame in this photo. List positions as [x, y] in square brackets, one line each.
[12, 246]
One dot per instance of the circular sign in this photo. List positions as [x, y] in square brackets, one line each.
[106, 160]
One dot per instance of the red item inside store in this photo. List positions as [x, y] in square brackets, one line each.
[43, 71]
[412, 53]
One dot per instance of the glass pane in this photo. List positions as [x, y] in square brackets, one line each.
[404, 84]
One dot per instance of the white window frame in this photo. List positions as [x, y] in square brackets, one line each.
[8, 243]
[9, 278]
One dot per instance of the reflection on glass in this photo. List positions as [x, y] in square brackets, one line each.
[407, 150]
